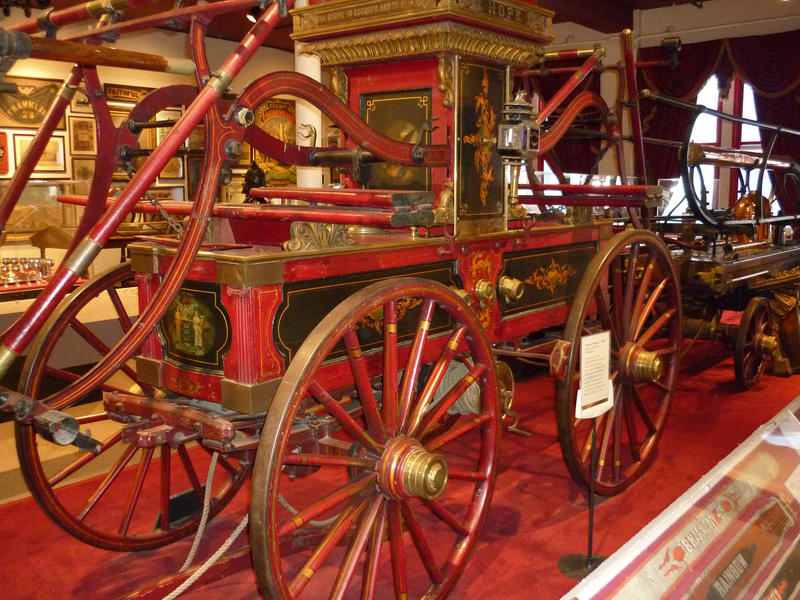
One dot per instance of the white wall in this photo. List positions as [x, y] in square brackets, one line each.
[164, 43]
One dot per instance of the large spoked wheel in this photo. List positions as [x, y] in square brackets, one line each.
[362, 478]
[630, 289]
[755, 343]
[140, 491]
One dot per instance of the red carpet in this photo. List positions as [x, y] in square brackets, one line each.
[537, 515]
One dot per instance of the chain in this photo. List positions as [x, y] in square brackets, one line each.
[165, 215]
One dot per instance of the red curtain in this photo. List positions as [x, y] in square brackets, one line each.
[770, 64]
[696, 63]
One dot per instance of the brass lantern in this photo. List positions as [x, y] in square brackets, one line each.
[517, 142]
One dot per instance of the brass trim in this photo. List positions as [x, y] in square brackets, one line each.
[249, 274]
[424, 40]
[67, 92]
[343, 16]
[248, 399]
[143, 259]
[7, 358]
[80, 258]
[220, 81]
[148, 370]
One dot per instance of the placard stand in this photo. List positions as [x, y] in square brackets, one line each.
[594, 352]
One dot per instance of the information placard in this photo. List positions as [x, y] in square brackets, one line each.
[596, 393]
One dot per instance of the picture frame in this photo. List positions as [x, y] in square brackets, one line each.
[52, 163]
[82, 135]
[80, 103]
[83, 168]
[4, 155]
[277, 117]
[165, 115]
[125, 93]
[27, 107]
[82, 173]
[172, 170]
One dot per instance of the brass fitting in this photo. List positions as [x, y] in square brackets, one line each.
[511, 289]
[485, 292]
[463, 294]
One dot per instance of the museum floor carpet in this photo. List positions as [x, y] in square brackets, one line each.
[537, 515]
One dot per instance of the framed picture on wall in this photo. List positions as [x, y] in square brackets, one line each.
[82, 135]
[4, 170]
[52, 162]
[27, 107]
[172, 170]
[83, 168]
[80, 103]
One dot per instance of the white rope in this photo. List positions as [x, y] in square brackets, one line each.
[210, 562]
[204, 517]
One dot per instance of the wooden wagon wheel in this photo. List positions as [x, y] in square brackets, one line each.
[755, 343]
[408, 511]
[112, 499]
[631, 289]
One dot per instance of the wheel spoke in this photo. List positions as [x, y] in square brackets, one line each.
[361, 378]
[435, 379]
[390, 367]
[455, 432]
[432, 418]
[586, 446]
[657, 324]
[326, 460]
[122, 461]
[645, 416]
[326, 503]
[136, 490]
[122, 313]
[415, 359]
[603, 450]
[98, 344]
[190, 472]
[348, 423]
[647, 310]
[438, 509]
[370, 581]
[324, 549]
[617, 445]
[633, 442]
[84, 460]
[630, 284]
[605, 317]
[356, 548]
[616, 291]
[420, 542]
[398, 552]
[639, 309]
[466, 475]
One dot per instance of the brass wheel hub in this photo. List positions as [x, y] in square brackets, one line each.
[638, 364]
[766, 344]
[407, 470]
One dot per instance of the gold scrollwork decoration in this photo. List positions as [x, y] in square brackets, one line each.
[433, 38]
[551, 277]
[446, 80]
[340, 85]
[317, 236]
